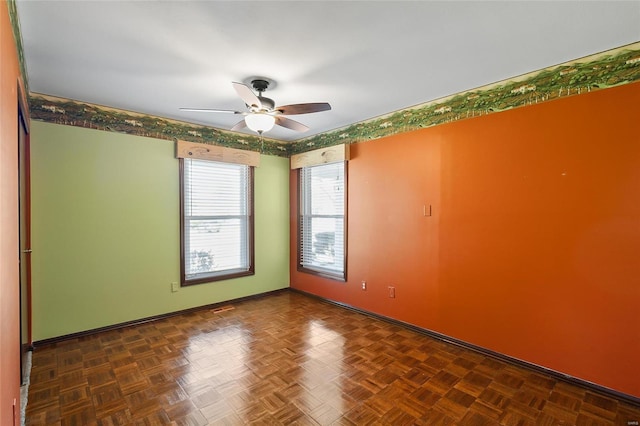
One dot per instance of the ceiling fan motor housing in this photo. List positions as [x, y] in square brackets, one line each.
[267, 104]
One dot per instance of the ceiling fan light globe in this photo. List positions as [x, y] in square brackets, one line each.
[260, 122]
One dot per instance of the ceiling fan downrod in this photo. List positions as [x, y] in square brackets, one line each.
[260, 85]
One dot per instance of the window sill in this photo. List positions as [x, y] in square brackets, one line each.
[213, 278]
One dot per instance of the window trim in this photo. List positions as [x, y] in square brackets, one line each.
[251, 229]
[342, 277]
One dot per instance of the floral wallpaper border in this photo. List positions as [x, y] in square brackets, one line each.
[600, 71]
[82, 114]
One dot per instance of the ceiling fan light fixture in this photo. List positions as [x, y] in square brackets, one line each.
[260, 122]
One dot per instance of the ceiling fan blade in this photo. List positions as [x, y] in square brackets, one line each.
[239, 125]
[247, 95]
[303, 108]
[290, 124]
[227, 111]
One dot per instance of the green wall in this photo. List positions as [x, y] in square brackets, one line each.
[106, 235]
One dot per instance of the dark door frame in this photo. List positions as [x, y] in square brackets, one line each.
[24, 205]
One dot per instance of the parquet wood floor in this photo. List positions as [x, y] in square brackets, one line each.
[291, 359]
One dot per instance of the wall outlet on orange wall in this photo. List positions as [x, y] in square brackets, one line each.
[392, 292]
[364, 285]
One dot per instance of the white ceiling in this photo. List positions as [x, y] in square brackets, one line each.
[366, 58]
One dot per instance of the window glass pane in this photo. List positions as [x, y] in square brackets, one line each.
[216, 188]
[326, 243]
[325, 189]
[214, 246]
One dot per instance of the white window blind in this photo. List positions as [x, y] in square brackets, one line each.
[322, 218]
[216, 218]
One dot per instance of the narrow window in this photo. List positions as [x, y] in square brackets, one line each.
[216, 217]
[322, 242]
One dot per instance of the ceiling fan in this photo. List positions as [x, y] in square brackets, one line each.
[263, 114]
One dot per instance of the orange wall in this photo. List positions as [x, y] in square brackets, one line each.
[533, 249]
[9, 296]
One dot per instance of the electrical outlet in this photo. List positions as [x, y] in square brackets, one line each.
[174, 287]
[364, 285]
[392, 292]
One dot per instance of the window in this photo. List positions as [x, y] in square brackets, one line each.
[321, 244]
[216, 217]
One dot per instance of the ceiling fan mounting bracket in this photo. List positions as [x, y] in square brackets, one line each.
[260, 83]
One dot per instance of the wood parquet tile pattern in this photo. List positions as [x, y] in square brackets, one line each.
[290, 359]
